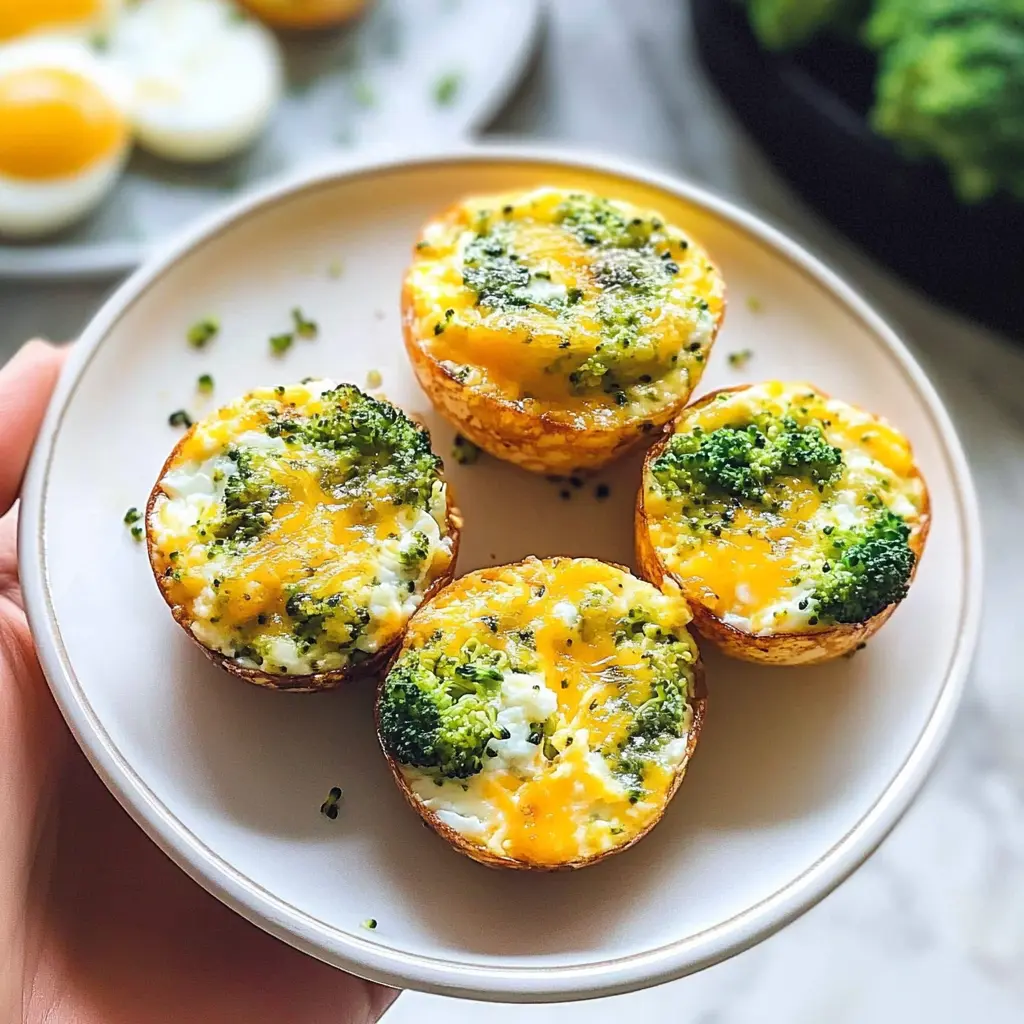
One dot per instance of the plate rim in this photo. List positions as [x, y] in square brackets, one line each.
[367, 958]
[54, 262]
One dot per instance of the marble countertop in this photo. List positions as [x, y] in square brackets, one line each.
[932, 927]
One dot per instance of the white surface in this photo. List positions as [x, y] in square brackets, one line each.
[798, 774]
[364, 87]
[932, 927]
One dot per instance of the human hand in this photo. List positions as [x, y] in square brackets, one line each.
[97, 926]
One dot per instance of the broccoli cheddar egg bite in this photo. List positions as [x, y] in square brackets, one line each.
[541, 715]
[295, 531]
[793, 522]
[556, 328]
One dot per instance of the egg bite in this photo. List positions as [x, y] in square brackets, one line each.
[555, 328]
[541, 715]
[792, 521]
[205, 81]
[294, 532]
[305, 14]
[64, 135]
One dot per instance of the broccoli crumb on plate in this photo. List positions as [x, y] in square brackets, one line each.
[202, 332]
[464, 451]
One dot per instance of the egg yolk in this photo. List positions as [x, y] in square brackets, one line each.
[18, 17]
[304, 13]
[55, 123]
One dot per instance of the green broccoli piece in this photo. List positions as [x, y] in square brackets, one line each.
[368, 438]
[595, 221]
[951, 86]
[414, 553]
[786, 24]
[664, 714]
[743, 462]
[313, 616]
[661, 715]
[495, 273]
[439, 712]
[250, 497]
[867, 570]
[893, 20]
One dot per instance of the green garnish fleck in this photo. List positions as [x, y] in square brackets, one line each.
[202, 332]
[370, 923]
[464, 451]
[329, 808]
[363, 94]
[280, 343]
[304, 328]
[740, 358]
[446, 88]
[204, 385]
[179, 418]
[133, 515]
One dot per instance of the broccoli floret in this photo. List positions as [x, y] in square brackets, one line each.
[365, 438]
[951, 86]
[415, 551]
[742, 462]
[595, 221]
[867, 570]
[439, 712]
[663, 715]
[785, 24]
[250, 497]
[494, 272]
[313, 617]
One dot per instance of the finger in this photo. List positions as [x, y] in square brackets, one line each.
[26, 384]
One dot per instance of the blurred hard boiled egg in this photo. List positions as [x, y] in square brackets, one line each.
[305, 13]
[205, 78]
[81, 17]
[64, 134]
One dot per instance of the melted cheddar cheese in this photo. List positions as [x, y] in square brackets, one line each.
[587, 307]
[755, 563]
[592, 706]
[299, 527]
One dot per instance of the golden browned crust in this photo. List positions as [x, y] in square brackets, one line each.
[773, 648]
[484, 856]
[314, 682]
[553, 441]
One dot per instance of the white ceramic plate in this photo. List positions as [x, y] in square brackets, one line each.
[369, 86]
[799, 773]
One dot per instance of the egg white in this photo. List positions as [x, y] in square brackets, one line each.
[32, 208]
[205, 79]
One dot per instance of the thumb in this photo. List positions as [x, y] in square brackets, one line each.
[26, 384]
